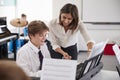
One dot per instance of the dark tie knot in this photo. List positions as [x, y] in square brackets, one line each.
[40, 55]
[40, 58]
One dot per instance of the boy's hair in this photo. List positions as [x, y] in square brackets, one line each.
[36, 26]
[10, 71]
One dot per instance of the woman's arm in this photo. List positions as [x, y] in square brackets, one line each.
[83, 30]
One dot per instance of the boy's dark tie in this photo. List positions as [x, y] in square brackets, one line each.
[41, 59]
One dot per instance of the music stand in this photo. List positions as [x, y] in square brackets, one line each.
[89, 68]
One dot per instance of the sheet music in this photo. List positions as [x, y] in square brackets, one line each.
[117, 52]
[98, 48]
[58, 69]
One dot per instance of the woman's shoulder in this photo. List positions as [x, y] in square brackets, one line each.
[80, 22]
[81, 26]
[53, 23]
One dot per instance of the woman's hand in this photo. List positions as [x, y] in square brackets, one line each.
[66, 56]
[90, 46]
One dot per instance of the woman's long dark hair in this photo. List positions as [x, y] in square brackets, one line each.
[72, 9]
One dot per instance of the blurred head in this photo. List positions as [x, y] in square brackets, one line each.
[23, 16]
[69, 16]
[10, 71]
[37, 31]
[23, 19]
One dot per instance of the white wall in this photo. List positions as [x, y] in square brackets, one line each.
[107, 16]
[58, 4]
[35, 9]
[101, 10]
[100, 35]
[9, 12]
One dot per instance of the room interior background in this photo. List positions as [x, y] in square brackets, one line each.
[90, 11]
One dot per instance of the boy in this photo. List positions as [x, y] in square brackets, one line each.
[27, 57]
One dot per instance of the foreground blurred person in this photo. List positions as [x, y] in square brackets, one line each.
[10, 71]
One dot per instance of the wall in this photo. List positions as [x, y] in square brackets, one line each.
[35, 9]
[103, 34]
[102, 21]
[7, 9]
[101, 10]
[58, 4]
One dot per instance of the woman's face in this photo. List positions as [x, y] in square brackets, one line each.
[39, 38]
[66, 19]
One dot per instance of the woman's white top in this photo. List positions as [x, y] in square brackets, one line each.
[59, 37]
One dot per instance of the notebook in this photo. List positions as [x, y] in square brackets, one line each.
[58, 69]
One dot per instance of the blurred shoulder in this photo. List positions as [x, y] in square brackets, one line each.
[53, 22]
[80, 22]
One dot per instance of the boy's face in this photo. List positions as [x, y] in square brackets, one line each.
[39, 39]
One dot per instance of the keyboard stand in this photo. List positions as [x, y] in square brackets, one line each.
[89, 68]
[92, 72]
[118, 69]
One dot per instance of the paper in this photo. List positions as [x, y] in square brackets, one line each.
[98, 48]
[58, 69]
[117, 52]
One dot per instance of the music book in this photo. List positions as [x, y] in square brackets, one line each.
[98, 48]
[58, 69]
[117, 52]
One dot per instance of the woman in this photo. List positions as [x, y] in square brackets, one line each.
[64, 32]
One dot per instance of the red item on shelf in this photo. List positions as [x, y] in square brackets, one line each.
[108, 50]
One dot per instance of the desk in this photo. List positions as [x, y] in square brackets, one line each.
[106, 75]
